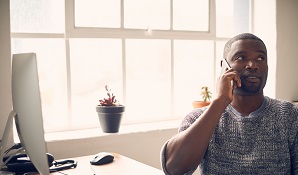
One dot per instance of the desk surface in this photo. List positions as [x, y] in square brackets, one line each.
[120, 165]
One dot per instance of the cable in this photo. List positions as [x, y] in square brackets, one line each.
[11, 156]
[15, 146]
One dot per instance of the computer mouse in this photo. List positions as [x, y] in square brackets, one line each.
[102, 158]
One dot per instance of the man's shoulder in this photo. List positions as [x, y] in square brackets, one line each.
[282, 110]
[281, 103]
[191, 117]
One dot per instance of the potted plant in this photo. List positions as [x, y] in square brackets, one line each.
[109, 112]
[206, 97]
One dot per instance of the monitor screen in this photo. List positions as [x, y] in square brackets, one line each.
[27, 105]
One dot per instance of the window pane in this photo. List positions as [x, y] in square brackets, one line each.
[42, 16]
[143, 14]
[97, 13]
[192, 15]
[232, 17]
[224, 18]
[193, 68]
[148, 80]
[52, 78]
[92, 68]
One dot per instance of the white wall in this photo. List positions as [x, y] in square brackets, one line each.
[287, 49]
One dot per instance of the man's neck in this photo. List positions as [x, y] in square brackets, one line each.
[247, 104]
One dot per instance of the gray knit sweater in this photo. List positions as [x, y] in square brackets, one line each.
[265, 142]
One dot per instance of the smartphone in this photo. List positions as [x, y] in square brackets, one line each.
[225, 66]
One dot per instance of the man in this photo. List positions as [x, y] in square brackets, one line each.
[241, 131]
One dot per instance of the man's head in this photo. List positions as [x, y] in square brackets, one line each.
[242, 36]
[247, 54]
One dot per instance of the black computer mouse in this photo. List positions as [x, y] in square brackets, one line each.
[102, 158]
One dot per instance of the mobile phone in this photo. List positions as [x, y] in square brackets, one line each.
[225, 66]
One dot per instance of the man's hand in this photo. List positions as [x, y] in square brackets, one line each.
[226, 83]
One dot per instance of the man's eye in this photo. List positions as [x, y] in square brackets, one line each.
[239, 58]
[261, 59]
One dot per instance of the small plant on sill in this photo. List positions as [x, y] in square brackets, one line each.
[109, 112]
[206, 94]
[110, 100]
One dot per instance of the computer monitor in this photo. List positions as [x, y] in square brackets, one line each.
[27, 111]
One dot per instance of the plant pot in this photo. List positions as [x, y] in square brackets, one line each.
[200, 104]
[110, 117]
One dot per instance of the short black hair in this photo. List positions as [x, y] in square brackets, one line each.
[241, 36]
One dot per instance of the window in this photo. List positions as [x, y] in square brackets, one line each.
[155, 55]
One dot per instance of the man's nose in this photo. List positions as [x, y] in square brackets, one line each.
[252, 65]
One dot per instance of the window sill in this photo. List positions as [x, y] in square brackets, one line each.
[124, 129]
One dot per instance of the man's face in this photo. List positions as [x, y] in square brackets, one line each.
[249, 58]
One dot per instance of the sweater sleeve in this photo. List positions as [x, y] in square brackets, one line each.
[163, 161]
[186, 122]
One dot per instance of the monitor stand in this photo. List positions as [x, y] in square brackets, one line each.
[4, 141]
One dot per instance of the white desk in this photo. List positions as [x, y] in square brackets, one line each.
[120, 165]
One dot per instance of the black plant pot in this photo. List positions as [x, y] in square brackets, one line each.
[110, 117]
